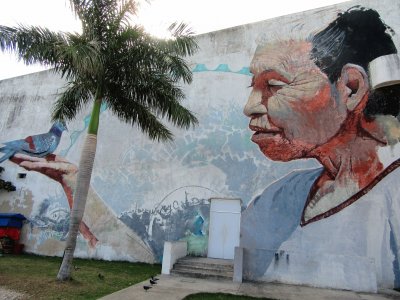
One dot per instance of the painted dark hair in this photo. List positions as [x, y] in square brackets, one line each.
[357, 36]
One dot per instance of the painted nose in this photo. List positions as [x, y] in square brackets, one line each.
[254, 105]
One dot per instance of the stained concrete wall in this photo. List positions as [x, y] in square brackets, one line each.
[144, 193]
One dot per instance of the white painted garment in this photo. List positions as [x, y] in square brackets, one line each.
[357, 248]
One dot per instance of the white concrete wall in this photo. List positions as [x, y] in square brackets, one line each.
[172, 252]
[144, 193]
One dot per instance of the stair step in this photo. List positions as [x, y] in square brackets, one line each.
[201, 267]
[191, 273]
[206, 261]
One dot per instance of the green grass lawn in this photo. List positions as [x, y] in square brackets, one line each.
[36, 276]
[220, 296]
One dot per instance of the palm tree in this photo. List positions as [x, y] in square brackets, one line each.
[137, 76]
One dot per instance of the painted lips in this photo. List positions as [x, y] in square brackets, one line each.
[262, 133]
[260, 130]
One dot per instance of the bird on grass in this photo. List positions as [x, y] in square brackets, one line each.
[154, 278]
[101, 276]
[39, 145]
[152, 282]
[146, 287]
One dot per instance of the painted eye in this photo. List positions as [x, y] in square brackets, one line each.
[276, 83]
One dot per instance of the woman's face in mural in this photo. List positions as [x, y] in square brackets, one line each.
[291, 106]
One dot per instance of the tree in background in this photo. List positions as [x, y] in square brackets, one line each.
[114, 63]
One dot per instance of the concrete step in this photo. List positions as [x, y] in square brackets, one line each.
[201, 267]
[198, 265]
[201, 261]
[204, 268]
[197, 274]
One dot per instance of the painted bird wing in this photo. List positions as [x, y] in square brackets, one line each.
[16, 145]
[45, 143]
[37, 144]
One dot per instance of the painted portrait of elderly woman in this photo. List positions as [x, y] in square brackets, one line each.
[333, 97]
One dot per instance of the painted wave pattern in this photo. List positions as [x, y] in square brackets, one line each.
[221, 68]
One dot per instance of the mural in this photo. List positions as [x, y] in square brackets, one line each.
[178, 216]
[63, 172]
[39, 145]
[179, 213]
[320, 198]
[36, 153]
[312, 98]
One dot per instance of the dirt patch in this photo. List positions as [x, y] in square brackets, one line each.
[6, 294]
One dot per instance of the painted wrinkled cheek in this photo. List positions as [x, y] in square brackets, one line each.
[320, 100]
[279, 112]
[313, 103]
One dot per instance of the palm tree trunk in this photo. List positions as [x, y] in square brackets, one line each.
[81, 192]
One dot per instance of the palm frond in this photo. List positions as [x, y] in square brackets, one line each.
[80, 6]
[79, 56]
[142, 52]
[125, 10]
[184, 42]
[68, 53]
[163, 97]
[32, 44]
[134, 113]
[71, 101]
[180, 29]
[7, 39]
[178, 69]
[157, 92]
[178, 115]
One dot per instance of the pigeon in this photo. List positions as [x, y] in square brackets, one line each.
[152, 282]
[154, 278]
[146, 287]
[36, 145]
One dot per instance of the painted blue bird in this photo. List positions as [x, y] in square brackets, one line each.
[36, 145]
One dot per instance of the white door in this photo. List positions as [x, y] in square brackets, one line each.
[224, 228]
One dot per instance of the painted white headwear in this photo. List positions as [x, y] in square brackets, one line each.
[384, 71]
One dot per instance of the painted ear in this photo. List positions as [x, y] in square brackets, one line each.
[353, 87]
